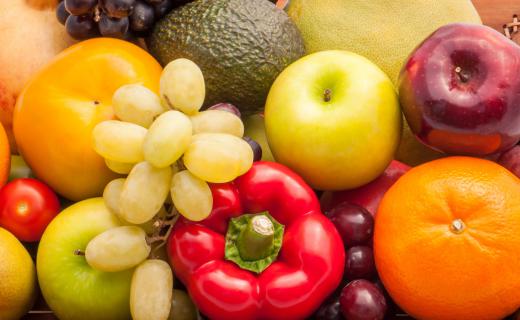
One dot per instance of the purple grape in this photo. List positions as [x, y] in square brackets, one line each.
[354, 224]
[113, 27]
[257, 149]
[362, 300]
[360, 263]
[329, 310]
[226, 107]
[162, 8]
[81, 27]
[61, 13]
[80, 7]
[117, 8]
[142, 18]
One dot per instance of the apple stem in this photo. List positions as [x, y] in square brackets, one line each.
[79, 252]
[463, 76]
[327, 95]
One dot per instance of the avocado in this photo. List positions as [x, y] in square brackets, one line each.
[240, 45]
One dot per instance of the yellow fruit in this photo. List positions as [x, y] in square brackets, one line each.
[18, 278]
[255, 129]
[384, 31]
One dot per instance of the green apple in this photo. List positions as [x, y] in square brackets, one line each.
[71, 288]
[255, 129]
[334, 118]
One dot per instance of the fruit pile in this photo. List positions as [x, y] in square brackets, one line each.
[228, 159]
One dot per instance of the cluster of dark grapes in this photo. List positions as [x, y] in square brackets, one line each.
[360, 296]
[124, 19]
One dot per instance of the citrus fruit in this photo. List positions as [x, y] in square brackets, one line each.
[447, 240]
[5, 156]
[18, 284]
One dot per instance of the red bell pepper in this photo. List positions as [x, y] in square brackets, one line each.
[308, 267]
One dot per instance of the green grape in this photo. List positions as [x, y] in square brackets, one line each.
[217, 121]
[137, 104]
[151, 291]
[112, 194]
[182, 86]
[119, 141]
[144, 192]
[119, 167]
[218, 157]
[191, 196]
[182, 306]
[117, 249]
[167, 139]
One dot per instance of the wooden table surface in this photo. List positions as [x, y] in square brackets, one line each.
[494, 13]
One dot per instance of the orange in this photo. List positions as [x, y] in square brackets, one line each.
[58, 109]
[5, 156]
[447, 240]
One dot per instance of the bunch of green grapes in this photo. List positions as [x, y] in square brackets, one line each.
[169, 151]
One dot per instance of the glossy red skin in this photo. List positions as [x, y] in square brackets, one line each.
[309, 266]
[478, 117]
[41, 206]
[368, 196]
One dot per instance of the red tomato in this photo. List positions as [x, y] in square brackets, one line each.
[27, 206]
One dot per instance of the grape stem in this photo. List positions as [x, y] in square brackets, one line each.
[159, 226]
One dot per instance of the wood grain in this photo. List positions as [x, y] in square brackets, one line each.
[496, 13]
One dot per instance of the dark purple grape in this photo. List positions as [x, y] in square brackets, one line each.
[117, 8]
[81, 27]
[359, 263]
[257, 149]
[142, 18]
[80, 7]
[226, 107]
[162, 8]
[354, 223]
[113, 27]
[61, 13]
[329, 310]
[362, 300]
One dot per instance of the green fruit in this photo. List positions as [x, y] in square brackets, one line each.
[18, 278]
[385, 32]
[240, 45]
[255, 129]
[19, 169]
[182, 307]
[71, 288]
[334, 118]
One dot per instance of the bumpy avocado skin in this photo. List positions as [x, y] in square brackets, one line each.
[240, 45]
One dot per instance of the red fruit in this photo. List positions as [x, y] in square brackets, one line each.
[362, 300]
[511, 160]
[27, 206]
[359, 263]
[369, 195]
[459, 90]
[354, 224]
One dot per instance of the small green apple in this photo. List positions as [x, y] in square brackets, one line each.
[334, 118]
[71, 288]
[255, 129]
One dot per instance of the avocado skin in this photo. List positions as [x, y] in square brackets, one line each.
[240, 45]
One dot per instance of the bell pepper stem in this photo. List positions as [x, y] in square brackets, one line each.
[256, 240]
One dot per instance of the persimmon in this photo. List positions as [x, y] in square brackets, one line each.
[57, 111]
